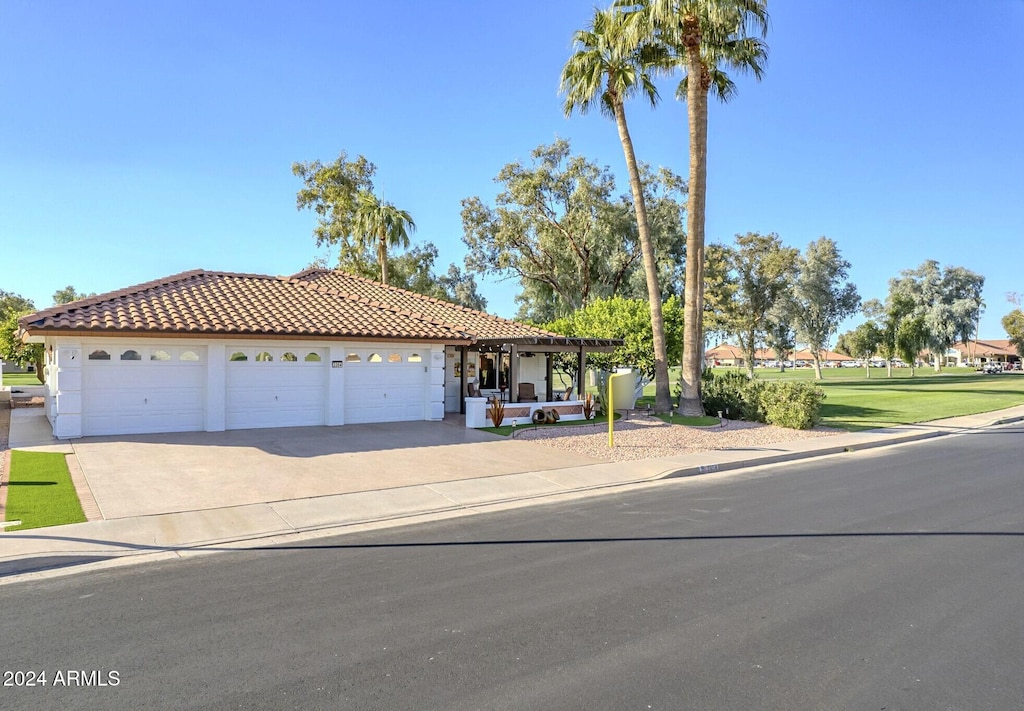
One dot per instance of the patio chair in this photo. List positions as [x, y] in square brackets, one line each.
[527, 393]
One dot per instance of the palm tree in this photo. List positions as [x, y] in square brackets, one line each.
[606, 69]
[706, 37]
[381, 225]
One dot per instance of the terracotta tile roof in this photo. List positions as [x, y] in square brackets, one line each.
[992, 346]
[477, 323]
[311, 304]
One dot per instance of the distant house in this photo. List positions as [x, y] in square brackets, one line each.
[209, 351]
[982, 351]
[726, 354]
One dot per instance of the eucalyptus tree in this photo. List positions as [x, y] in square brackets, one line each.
[332, 191]
[890, 317]
[822, 299]
[911, 338]
[609, 65]
[1013, 323]
[864, 341]
[381, 225]
[948, 299]
[560, 227]
[763, 271]
[780, 335]
[707, 39]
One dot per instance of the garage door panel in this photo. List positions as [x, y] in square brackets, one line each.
[277, 393]
[386, 391]
[143, 396]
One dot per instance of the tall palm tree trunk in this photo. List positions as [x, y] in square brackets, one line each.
[662, 392]
[382, 257]
[693, 294]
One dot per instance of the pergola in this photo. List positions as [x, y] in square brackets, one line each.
[513, 348]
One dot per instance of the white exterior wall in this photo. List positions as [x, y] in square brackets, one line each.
[67, 395]
[65, 388]
[336, 386]
[435, 395]
[216, 386]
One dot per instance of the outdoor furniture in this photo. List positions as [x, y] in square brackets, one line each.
[568, 394]
[527, 393]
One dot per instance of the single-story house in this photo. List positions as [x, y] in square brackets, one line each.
[209, 351]
[978, 352]
[726, 354]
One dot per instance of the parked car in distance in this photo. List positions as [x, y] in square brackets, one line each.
[992, 368]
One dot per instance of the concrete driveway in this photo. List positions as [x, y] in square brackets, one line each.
[141, 475]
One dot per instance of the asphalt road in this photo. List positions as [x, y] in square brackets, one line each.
[886, 580]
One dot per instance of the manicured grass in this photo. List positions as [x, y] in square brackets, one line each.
[853, 402]
[40, 492]
[21, 379]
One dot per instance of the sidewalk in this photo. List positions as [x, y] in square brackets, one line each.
[49, 551]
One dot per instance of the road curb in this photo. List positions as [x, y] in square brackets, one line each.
[795, 456]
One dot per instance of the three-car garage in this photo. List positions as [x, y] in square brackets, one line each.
[140, 387]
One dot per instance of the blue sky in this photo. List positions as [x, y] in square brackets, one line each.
[138, 140]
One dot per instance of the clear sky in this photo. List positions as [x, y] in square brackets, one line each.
[141, 139]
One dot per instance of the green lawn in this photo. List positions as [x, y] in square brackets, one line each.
[21, 379]
[854, 402]
[40, 492]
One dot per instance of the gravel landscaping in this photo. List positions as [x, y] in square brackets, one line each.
[647, 439]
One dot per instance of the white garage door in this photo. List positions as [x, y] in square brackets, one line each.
[275, 387]
[134, 389]
[385, 385]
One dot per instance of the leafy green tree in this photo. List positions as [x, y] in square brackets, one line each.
[13, 350]
[911, 338]
[606, 70]
[68, 294]
[12, 307]
[707, 39]
[843, 343]
[559, 229]
[763, 272]
[14, 303]
[381, 225]
[948, 299]
[414, 270]
[821, 297]
[780, 335]
[719, 289]
[864, 342]
[332, 192]
[890, 316]
[1013, 322]
[628, 319]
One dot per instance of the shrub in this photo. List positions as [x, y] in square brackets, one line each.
[726, 393]
[496, 412]
[793, 405]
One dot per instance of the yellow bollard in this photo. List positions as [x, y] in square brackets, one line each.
[611, 408]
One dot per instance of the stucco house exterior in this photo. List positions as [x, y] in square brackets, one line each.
[982, 351]
[209, 351]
